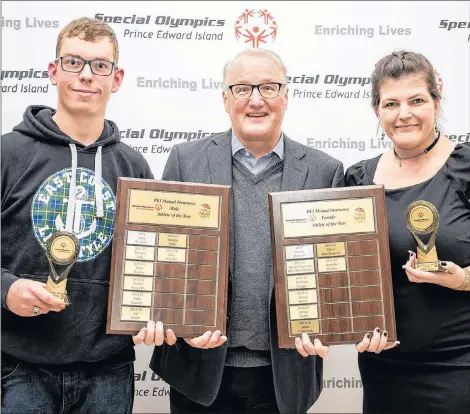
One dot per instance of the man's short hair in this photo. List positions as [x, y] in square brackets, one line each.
[256, 52]
[89, 30]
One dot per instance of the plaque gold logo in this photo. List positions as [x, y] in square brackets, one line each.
[205, 211]
[359, 215]
[312, 217]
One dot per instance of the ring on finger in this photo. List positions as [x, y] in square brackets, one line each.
[36, 310]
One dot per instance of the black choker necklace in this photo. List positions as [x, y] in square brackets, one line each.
[424, 152]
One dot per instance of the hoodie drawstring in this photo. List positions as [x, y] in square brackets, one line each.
[98, 184]
[73, 188]
[72, 191]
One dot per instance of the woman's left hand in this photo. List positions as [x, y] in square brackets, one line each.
[451, 279]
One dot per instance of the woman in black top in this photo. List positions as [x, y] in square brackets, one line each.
[429, 372]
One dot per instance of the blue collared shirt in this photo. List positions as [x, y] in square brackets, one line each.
[257, 166]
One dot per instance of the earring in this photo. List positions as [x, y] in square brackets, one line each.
[383, 135]
[436, 131]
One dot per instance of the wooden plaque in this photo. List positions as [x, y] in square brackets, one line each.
[331, 264]
[170, 257]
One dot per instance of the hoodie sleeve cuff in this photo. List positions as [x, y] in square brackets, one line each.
[148, 172]
[7, 280]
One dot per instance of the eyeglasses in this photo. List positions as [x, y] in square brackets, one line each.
[76, 64]
[267, 90]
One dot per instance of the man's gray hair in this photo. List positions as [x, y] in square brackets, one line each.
[256, 52]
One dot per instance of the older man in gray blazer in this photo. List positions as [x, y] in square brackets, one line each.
[247, 372]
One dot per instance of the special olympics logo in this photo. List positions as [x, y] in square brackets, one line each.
[255, 27]
[205, 211]
[359, 215]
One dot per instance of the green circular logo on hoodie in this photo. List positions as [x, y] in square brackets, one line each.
[51, 211]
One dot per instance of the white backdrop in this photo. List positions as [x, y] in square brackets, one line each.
[173, 54]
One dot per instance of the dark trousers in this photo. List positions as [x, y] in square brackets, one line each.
[30, 389]
[243, 390]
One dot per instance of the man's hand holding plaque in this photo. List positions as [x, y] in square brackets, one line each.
[305, 347]
[208, 340]
[154, 334]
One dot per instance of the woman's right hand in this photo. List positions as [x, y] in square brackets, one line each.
[376, 342]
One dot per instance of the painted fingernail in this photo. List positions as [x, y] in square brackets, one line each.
[443, 263]
[377, 330]
[397, 343]
[411, 253]
[368, 336]
[403, 267]
[385, 333]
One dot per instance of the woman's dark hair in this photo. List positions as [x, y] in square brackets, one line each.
[399, 64]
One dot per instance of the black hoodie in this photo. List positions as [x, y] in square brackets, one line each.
[39, 198]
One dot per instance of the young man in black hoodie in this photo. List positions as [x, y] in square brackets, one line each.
[59, 174]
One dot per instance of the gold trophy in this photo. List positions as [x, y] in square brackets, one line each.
[62, 249]
[422, 218]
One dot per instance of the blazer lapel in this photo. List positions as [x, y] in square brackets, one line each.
[295, 170]
[220, 170]
[220, 159]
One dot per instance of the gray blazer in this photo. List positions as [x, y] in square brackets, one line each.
[197, 373]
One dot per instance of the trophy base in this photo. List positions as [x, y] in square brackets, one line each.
[62, 296]
[428, 261]
[430, 267]
[58, 290]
